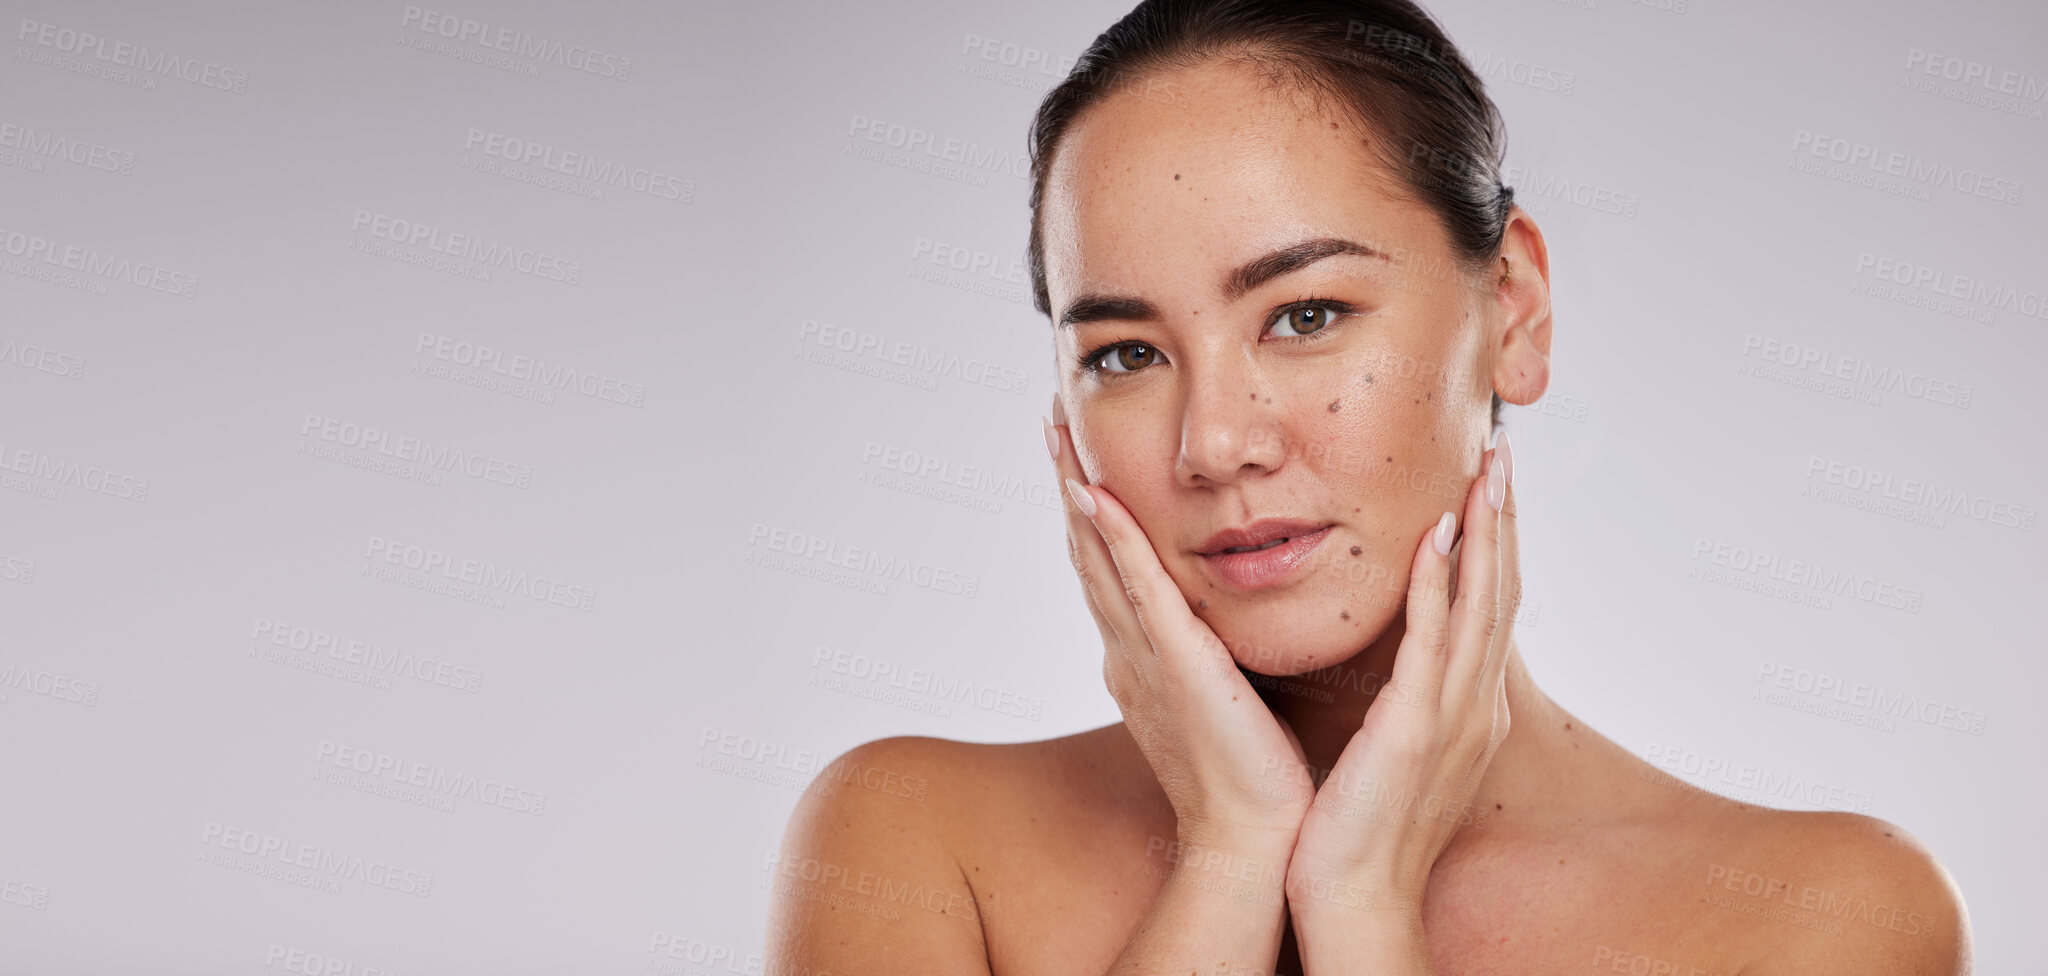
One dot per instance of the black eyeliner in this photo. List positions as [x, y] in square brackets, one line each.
[1093, 356]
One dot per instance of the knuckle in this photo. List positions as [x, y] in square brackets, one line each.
[1138, 593]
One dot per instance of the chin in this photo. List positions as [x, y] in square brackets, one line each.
[1295, 636]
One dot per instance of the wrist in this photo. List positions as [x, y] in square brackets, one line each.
[1237, 839]
[1388, 935]
[1363, 897]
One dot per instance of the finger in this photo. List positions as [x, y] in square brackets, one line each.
[1085, 546]
[1475, 614]
[1510, 567]
[1170, 626]
[1419, 662]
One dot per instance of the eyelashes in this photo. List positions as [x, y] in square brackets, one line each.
[1335, 311]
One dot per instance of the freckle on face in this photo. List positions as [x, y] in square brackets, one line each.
[1354, 549]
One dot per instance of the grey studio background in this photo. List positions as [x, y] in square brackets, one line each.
[467, 467]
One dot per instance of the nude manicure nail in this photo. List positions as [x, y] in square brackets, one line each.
[1496, 482]
[1085, 501]
[1445, 528]
[1059, 411]
[1052, 439]
[1507, 458]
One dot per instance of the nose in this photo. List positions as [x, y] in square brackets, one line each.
[1230, 426]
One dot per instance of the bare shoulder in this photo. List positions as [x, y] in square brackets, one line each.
[878, 869]
[1840, 892]
[864, 880]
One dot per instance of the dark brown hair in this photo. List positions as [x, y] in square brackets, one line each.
[1386, 62]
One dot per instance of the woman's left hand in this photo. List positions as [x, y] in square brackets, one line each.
[1405, 781]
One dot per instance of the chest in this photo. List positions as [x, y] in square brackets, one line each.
[1515, 903]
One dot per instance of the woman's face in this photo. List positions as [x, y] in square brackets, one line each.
[1359, 422]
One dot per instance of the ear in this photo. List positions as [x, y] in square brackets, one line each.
[1521, 296]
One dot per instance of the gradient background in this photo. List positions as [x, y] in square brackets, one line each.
[203, 310]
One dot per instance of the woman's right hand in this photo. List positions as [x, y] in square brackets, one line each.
[1233, 771]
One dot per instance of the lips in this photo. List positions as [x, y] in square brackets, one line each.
[1259, 533]
[1265, 553]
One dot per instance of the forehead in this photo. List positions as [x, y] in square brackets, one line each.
[1205, 167]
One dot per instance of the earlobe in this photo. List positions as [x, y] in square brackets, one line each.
[1522, 362]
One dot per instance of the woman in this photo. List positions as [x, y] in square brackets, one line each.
[1288, 294]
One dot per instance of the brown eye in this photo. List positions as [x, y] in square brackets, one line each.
[1302, 321]
[1129, 358]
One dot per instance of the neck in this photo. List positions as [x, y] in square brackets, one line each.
[1326, 706]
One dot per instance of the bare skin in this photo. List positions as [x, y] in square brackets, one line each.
[1382, 787]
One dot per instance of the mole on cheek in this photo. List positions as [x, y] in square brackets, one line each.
[1356, 550]
[1334, 404]
[1344, 614]
[1202, 604]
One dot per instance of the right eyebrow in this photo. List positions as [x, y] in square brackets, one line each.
[1095, 308]
[1256, 272]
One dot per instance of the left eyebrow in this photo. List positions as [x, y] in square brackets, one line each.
[1236, 284]
[1288, 260]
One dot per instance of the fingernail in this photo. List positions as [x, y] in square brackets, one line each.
[1059, 411]
[1445, 528]
[1507, 458]
[1496, 483]
[1083, 500]
[1052, 439]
